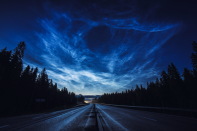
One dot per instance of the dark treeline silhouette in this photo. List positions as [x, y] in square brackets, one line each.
[21, 90]
[80, 98]
[171, 90]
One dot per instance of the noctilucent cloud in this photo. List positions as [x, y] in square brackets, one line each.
[100, 47]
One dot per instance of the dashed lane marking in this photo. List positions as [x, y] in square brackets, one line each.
[4, 126]
[147, 118]
[37, 117]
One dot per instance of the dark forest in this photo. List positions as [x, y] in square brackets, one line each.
[171, 90]
[26, 91]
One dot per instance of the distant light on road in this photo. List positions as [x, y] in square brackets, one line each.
[87, 101]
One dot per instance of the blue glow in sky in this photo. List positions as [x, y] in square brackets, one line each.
[93, 48]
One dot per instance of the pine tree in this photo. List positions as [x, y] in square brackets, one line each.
[194, 55]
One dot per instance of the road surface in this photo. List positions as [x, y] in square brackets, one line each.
[86, 118]
[75, 119]
[121, 119]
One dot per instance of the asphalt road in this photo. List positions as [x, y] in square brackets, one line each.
[111, 118]
[75, 119]
[122, 119]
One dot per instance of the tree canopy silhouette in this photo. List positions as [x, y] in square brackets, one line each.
[21, 90]
[171, 90]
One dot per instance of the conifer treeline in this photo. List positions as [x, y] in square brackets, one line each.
[80, 98]
[20, 88]
[171, 90]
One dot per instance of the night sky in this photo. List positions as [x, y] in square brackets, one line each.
[100, 47]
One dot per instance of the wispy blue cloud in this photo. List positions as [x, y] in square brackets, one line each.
[92, 54]
[93, 59]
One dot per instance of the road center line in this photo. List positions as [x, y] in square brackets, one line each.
[104, 120]
[114, 121]
[86, 125]
[147, 118]
[37, 117]
[4, 126]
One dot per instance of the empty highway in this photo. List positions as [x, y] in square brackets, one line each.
[102, 117]
[118, 119]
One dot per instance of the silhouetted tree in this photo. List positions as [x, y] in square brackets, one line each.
[81, 99]
[20, 88]
[194, 55]
[168, 91]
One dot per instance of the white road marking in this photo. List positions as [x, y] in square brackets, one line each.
[114, 121]
[4, 126]
[147, 118]
[86, 125]
[109, 128]
[37, 117]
